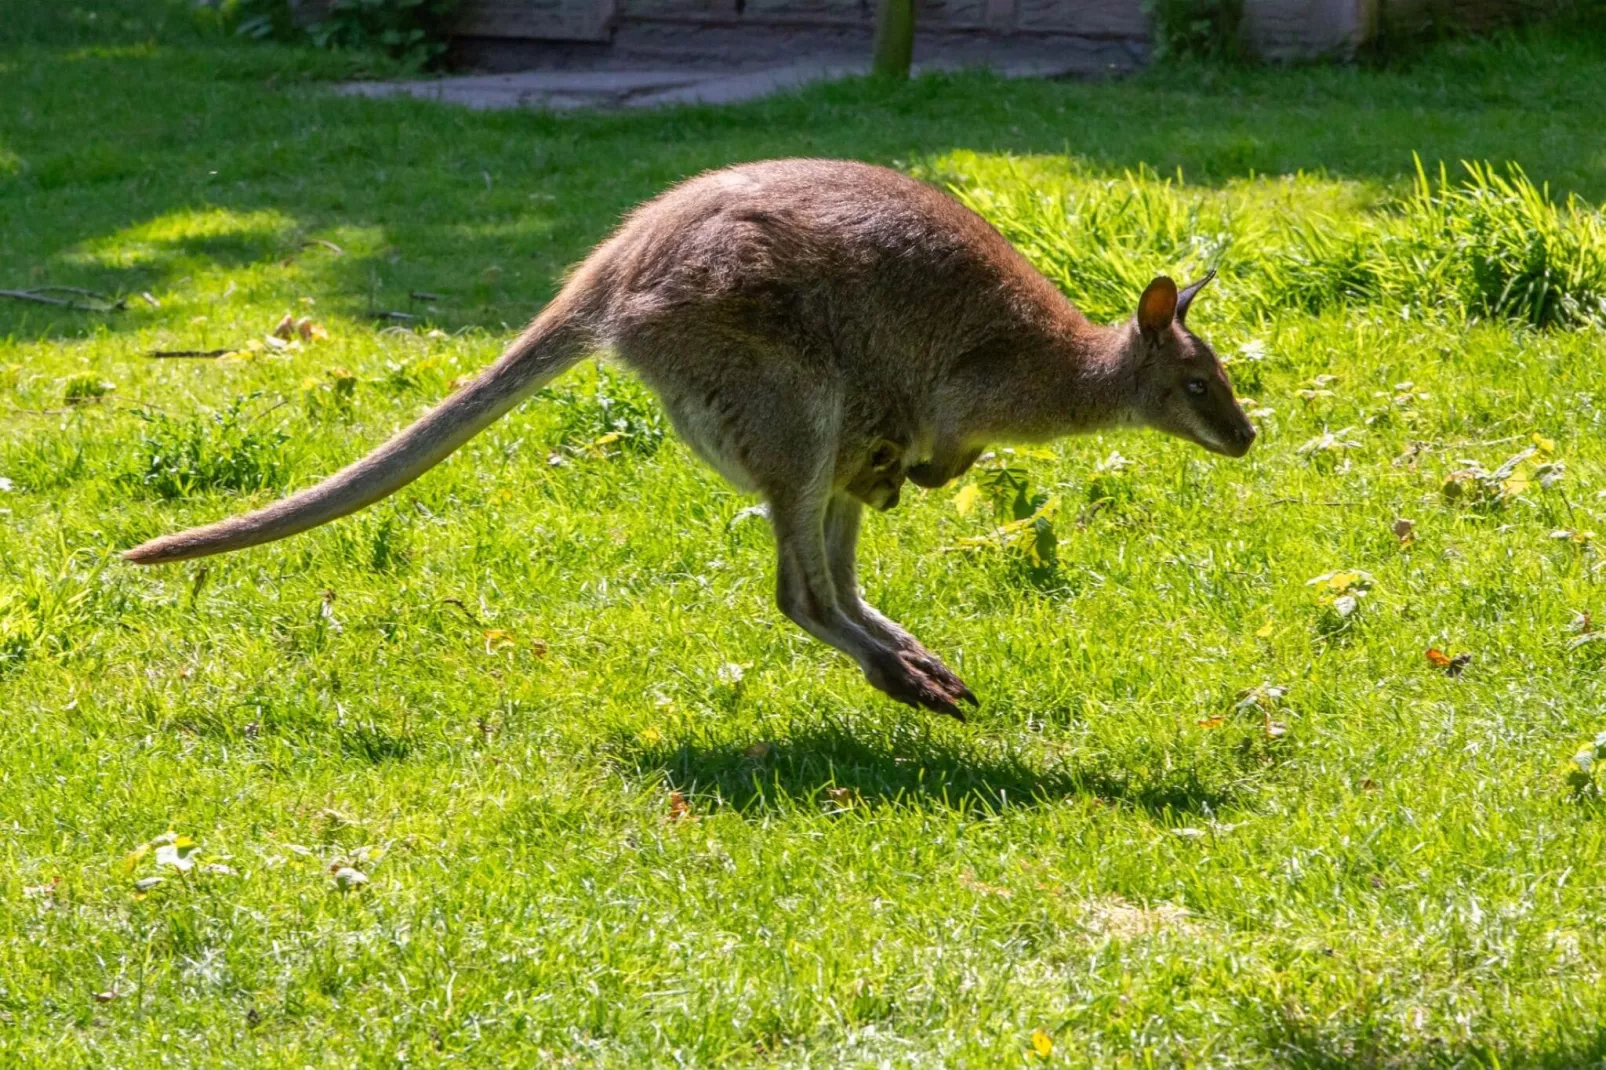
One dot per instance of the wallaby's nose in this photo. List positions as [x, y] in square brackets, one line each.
[1246, 438]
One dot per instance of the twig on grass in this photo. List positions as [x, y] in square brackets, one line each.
[458, 602]
[39, 296]
[198, 354]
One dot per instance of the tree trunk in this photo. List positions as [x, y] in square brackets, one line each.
[894, 38]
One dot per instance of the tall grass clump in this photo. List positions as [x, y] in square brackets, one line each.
[1506, 250]
[1493, 245]
[177, 458]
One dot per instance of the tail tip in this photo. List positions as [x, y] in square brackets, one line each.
[146, 553]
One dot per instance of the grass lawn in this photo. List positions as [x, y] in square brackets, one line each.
[612, 809]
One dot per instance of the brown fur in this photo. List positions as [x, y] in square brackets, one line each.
[818, 331]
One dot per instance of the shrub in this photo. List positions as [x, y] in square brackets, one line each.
[1198, 29]
[413, 31]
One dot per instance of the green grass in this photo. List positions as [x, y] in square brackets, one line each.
[483, 692]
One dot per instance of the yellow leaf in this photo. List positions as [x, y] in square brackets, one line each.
[1264, 631]
[1545, 445]
[497, 639]
[965, 501]
[1212, 722]
[651, 735]
[1042, 1044]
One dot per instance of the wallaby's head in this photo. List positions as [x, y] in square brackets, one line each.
[1180, 385]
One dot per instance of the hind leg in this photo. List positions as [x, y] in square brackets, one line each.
[808, 594]
[842, 519]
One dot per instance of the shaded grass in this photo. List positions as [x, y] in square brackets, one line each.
[483, 692]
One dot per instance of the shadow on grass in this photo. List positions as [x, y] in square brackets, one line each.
[905, 765]
[489, 208]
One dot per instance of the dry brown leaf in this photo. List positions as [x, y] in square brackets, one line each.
[1452, 666]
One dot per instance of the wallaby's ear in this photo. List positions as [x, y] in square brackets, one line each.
[1158, 306]
[1185, 298]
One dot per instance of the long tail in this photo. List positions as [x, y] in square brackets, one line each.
[551, 345]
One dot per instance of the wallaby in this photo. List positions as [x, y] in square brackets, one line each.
[818, 331]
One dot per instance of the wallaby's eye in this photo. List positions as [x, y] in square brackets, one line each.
[1196, 386]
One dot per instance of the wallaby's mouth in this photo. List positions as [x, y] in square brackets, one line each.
[1235, 443]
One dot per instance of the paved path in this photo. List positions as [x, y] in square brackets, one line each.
[648, 83]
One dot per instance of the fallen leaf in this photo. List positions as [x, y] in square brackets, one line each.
[349, 877]
[105, 997]
[757, 752]
[310, 330]
[1212, 722]
[1264, 631]
[1042, 1044]
[679, 809]
[965, 501]
[285, 329]
[842, 797]
[1341, 581]
[41, 891]
[496, 639]
[761, 511]
[1451, 666]
[179, 854]
[1405, 531]
[147, 883]
[651, 734]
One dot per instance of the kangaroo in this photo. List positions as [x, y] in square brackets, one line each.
[818, 331]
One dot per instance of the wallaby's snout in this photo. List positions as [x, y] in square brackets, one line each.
[1182, 387]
